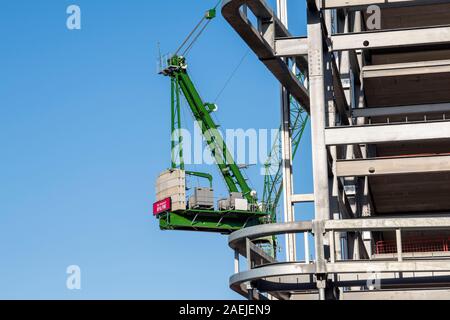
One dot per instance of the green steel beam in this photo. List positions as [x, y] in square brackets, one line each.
[177, 138]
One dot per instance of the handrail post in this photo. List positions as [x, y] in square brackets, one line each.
[398, 236]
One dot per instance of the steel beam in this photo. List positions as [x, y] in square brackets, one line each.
[406, 69]
[256, 254]
[391, 38]
[291, 47]
[361, 4]
[294, 46]
[388, 166]
[302, 198]
[386, 133]
[404, 295]
[402, 110]
[347, 267]
[390, 266]
[379, 224]
[299, 285]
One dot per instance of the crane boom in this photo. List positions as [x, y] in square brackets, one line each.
[201, 111]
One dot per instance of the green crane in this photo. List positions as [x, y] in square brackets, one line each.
[201, 111]
[215, 220]
[222, 220]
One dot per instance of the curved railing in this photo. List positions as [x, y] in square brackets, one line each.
[277, 277]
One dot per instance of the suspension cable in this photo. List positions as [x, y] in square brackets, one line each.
[189, 36]
[231, 76]
[210, 15]
[185, 52]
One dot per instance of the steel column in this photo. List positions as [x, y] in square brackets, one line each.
[286, 149]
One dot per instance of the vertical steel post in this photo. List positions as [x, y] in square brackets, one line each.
[286, 149]
[318, 117]
[332, 236]
[248, 251]
[318, 104]
[322, 294]
[398, 236]
[282, 11]
[306, 240]
[236, 261]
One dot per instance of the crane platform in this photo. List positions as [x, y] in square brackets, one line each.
[224, 222]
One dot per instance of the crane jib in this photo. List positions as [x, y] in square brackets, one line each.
[230, 171]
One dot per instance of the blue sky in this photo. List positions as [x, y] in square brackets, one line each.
[85, 130]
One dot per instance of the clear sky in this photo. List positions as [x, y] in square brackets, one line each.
[84, 132]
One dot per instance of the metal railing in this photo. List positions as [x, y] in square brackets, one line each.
[261, 266]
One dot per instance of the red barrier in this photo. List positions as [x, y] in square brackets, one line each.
[415, 245]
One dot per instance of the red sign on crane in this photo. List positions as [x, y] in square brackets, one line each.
[162, 206]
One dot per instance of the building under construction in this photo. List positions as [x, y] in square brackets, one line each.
[374, 77]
